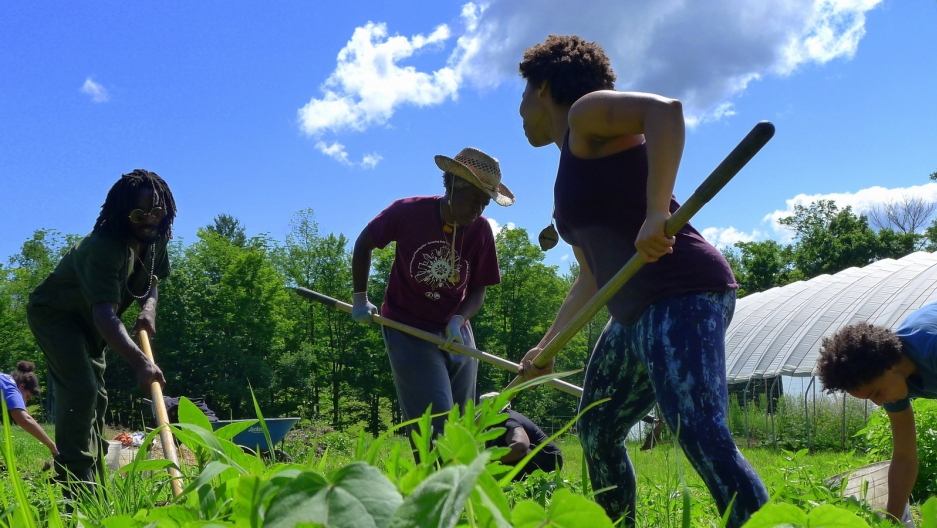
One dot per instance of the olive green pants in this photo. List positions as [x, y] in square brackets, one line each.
[75, 358]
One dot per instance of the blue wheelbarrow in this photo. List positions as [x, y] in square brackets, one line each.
[252, 439]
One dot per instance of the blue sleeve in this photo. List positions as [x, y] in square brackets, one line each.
[897, 406]
[12, 394]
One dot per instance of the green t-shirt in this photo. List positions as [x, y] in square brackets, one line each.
[99, 268]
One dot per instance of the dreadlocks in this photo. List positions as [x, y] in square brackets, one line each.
[121, 199]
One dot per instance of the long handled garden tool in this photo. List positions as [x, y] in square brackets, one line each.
[162, 418]
[730, 166]
[433, 338]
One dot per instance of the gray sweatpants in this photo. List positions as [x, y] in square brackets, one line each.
[427, 376]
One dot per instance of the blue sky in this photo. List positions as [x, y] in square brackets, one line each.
[260, 111]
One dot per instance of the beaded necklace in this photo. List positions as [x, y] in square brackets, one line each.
[152, 268]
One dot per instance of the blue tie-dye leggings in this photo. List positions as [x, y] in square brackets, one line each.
[674, 354]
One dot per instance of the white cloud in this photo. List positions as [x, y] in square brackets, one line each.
[337, 152]
[722, 237]
[368, 84]
[495, 228]
[97, 92]
[704, 53]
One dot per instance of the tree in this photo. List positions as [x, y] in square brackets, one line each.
[762, 265]
[906, 215]
[37, 258]
[515, 316]
[222, 322]
[828, 240]
[230, 228]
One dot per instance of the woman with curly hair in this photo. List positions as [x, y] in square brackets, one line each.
[665, 342]
[19, 387]
[889, 368]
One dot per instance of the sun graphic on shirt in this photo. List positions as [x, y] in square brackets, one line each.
[435, 270]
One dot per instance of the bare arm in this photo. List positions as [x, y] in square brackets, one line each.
[583, 289]
[147, 318]
[519, 445]
[361, 261]
[902, 473]
[116, 337]
[472, 303]
[24, 420]
[605, 122]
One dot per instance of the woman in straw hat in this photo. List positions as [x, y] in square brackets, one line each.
[445, 259]
[619, 154]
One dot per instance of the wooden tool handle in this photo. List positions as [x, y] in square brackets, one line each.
[433, 338]
[162, 418]
[730, 166]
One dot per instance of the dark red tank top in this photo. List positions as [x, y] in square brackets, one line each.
[600, 206]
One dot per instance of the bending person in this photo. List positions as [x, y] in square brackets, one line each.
[889, 368]
[19, 387]
[522, 436]
[619, 155]
[74, 313]
[445, 259]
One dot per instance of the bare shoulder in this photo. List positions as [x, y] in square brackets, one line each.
[607, 121]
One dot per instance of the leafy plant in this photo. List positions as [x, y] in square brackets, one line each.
[877, 438]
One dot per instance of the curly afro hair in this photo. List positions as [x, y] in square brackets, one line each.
[571, 65]
[856, 355]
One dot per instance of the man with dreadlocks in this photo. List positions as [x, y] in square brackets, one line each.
[75, 313]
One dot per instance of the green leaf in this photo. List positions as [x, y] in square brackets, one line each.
[457, 444]
[147, 465]
[212, 470]
[355, 496]
[929, 511]
[176, 513]
[777, 516]
[490, 504]
[190, 414]
[566, 511]
[228, 432]
[123, 521]
[829, 516]
[439, 500]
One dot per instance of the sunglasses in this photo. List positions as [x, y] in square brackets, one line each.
[156, 213]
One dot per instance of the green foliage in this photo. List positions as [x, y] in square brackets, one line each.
[877, 439]
[826, 240]
[789, 427]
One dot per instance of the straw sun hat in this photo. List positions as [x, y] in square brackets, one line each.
[480, 169]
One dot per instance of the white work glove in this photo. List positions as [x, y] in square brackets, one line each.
[362, 309]
[454, 331]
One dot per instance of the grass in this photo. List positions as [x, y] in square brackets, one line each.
[789, 477]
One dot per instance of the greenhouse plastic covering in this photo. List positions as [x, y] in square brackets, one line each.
[778, 331]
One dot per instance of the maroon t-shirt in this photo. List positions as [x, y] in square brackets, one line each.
[601, 204]
[419, 290]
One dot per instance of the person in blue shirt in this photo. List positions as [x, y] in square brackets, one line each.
[19, 387]
[889, 368]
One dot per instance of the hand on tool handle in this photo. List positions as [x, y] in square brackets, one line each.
[362, 309]
[528, 370]
[454, 332]
[652, 243]
[148, 373]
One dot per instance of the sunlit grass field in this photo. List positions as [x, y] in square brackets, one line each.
[790, 478]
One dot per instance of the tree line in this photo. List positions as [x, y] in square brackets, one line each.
[229, 323]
